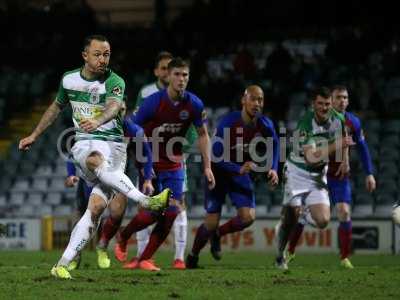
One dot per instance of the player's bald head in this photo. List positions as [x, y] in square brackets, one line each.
[253, 100]
[253, 90]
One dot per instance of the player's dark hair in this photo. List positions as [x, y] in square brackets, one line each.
[322, 91]
[339, 87]
[178, 62]
[90, 38]
[161, 56]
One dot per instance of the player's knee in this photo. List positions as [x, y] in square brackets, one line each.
[247, 219]
[96, 206]
[343, 213]
[322, 221]
[117, 207]
[93, 161]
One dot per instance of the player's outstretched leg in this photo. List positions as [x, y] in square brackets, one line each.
[81, 234]
[180, 235]
[117, 180]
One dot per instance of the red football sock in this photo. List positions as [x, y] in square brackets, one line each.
[108, 230]
[201, 239]
[159, 233]
[294, 237]
[142, 219]
[345, 230]
[233, 225]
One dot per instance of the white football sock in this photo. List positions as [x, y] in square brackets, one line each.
[180, 234]
[117, 180]
[142, 238]
[80, 235]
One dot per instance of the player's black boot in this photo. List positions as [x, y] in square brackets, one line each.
[215, 246]
[192, 261]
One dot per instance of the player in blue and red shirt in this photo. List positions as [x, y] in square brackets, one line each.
[241, 138]
[117, 207]
[166, 116]
[338, 180]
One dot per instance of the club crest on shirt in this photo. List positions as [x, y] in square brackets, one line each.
[184, 115]
[204, 115]
[94, 97]
[117, 91]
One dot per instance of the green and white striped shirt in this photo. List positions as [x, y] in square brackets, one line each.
[309, 132]
[88, 100]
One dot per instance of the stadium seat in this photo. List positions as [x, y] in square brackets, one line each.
[388, 168]
[20, 185]
[69, 195]
[39, 184]
[44, 170]
[373, 125]
[363, 204]
[43, 210]
[16, 198]
[35, 199]
[62, 210]
[5, 183]
[384, 204]
[26, 210]
[57, 184]
[274, 211]
[387, 186]
[53, 198]
[362, 210]
[389, 153]
[27, 167]
[261, 210]
[228, 211]
[3, 200]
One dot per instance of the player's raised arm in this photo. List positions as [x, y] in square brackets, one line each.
[47, 119]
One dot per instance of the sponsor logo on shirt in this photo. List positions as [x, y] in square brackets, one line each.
[94, 97]
[184, 115]
[117, 91]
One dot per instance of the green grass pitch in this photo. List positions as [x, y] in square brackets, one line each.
[250, 275]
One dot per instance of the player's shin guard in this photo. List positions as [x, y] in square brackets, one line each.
[108, 230]
[160, 232]
[117, 180]
[345, 232]
[180, 233]
[142, 219]
[233, 225]
[80, 235]
[294, 237]
[201, 239]
[142, 238]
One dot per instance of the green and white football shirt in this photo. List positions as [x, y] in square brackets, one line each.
[88, 100]
[309, 132]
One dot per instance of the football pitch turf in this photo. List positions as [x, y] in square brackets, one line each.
[244, 275]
